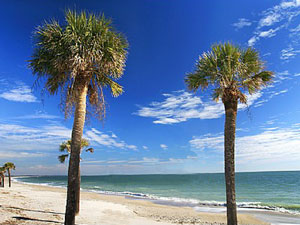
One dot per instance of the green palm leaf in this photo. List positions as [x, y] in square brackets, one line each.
[85, 49]
[229, 69]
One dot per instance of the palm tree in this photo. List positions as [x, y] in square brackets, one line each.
[232, 72]
[66, 148]
[9, 166]
[2, 176]
[79, 59]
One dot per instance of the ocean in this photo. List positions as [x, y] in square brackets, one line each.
[277, 191]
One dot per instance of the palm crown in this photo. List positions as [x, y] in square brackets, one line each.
[66, 147]
[231, 71]
[9, 165]
[2, 169]
[86, 50]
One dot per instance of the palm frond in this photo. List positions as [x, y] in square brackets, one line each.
[86, 50]
[91, 150]
[62, 158]
[9, 165]
[230, 70]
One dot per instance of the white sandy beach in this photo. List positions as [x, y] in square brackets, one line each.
[35, 204]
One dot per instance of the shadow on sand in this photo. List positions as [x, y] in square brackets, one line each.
[37, 220]
[33, 210]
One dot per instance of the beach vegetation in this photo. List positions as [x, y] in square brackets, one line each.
[9, 166]
[65, 147]
[232, 72]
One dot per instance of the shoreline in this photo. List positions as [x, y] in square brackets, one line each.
[138, 211]
[33, 204]
[211, 206]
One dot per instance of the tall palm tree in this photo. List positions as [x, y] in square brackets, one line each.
[9, 166]
[66, 148]
[2, 176]
[232, 72]
[79, 59]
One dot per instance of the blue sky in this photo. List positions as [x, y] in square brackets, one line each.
[156, 126]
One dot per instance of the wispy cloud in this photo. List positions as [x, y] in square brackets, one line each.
[19, 94]
[268, 33]
[37, 115]
[270, 17]
[143, 160]
[281, 144]
[55, 169]
[163, 146]
[242, 23]
[275, 19]
[282, 75]
[16, 139]
[270, 94]
[108, 140]
[14, 155]
[289, 53]
[179, 106]
[263, 34]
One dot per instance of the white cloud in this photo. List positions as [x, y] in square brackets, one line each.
[144, 165]
[19, 94]
[268, 33]
[280, 144]
[61, 169]
[252, 40]
[18, 138]
[181, 106]
[15, 137]
[270, 19]
[285, 10]
[283, 75]
[145, 147]
[108, 140]
[163, 146]
[242, 23]
[37, 115]
[289, 4]
[288, 53]
[270, 95]
[277, 17]
[275, 93]
[13, 155]
[296, 29]
[263, 34]
[144, 160]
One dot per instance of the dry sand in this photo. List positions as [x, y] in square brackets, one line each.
[43, 205]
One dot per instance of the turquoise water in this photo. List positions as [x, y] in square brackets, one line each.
[268, 190]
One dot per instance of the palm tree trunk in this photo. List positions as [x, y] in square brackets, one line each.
[78, 193]
[79, 119]
[2, 179]
[9, 178]
[229, 142]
